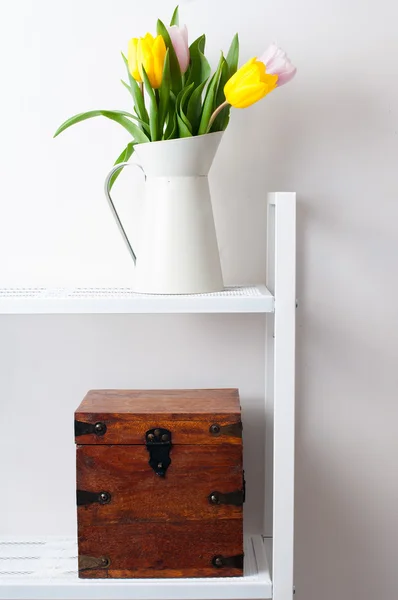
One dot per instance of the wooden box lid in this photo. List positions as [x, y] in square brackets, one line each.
[210, 416]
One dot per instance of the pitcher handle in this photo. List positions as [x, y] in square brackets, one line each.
[114, 170]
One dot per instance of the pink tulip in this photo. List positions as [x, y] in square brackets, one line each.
[277, 63]
[179, 39]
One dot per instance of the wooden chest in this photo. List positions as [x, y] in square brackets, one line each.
[160, 483]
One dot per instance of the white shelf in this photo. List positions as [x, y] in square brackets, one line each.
[254, 299]
[44, 569]
[47, 569]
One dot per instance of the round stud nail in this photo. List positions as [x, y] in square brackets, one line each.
[100, 428]
[104, 497]
[214, 429]
[218, 561]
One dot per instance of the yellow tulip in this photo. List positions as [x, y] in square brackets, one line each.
[148, 53]
[132, 59]
[249, 84]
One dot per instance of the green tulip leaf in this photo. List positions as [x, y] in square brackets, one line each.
[153, 107]
[194, 107]
[175, 19]
[221, 121]
[175, 71]
[119, 116]
[164, 94]
[182, 128]
[185, 95]
[171, 128]
[138, 135]
[199, 69]
[143, 124]
[233, 56]
[226, 118]
[182, 100]
[136, 93]
[209, 104]
[123, 157]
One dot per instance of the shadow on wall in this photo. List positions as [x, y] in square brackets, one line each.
[346, 492]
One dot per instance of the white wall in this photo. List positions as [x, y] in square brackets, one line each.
[331, 135]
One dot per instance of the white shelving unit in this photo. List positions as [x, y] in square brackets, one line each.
[254, 299]
[46, 569]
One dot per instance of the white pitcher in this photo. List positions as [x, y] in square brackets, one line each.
[178, 251]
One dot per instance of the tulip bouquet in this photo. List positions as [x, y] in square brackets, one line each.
[174, 93]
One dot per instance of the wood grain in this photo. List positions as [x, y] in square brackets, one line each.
[162, 549]
[138, 494]
[160, 527]
[176, 404]
[126, 429]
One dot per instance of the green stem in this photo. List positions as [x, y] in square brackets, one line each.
[142, 92]
[157, 98]
[215, 115]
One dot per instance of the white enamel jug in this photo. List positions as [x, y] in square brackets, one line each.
[178, 251]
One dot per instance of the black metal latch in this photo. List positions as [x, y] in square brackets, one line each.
[83, 497]
[93, 562]
[82, 428]
[236, 498]
[158, 444]
[231, 430]
[234, 562]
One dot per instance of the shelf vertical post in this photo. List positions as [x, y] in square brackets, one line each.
[269, 372]
[282, 280]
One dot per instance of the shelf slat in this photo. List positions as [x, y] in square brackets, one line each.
[251, 299]
[44, 569]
